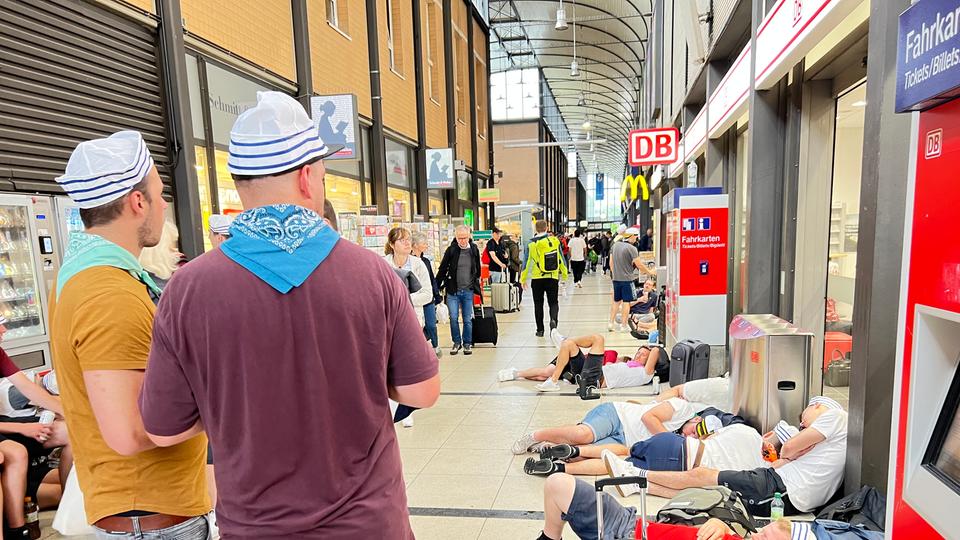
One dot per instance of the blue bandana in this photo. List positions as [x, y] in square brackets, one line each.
[89, 250]
[281, 244]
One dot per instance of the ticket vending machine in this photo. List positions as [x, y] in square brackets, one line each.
[924, 484]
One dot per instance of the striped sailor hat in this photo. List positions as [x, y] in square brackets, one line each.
[103, 170]
[801, 531]
[3, 320]
[275, 136]
[220, 224]
[784, 431]
[826, 402]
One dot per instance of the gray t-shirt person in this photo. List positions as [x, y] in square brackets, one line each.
[464, 269]
[622, 255]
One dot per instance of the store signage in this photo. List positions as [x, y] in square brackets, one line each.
[696, 135]
[653, 146]
[228, 96]
[790, 30]
[628, 191]
[468, 217]
[599, 187]
[370, 210]
[440, 168]
[730, 99]
[336, 119]
[928, 55]
[482, 235]
[488, 195]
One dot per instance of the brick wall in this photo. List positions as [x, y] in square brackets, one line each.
[461, 72]
[435, 106]
[339, 55]
[146, 5]
[482, 90]
[259, 31]
[520, 166]
[398, 84]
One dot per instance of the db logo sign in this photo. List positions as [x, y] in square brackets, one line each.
[653, 146]
[934, 145]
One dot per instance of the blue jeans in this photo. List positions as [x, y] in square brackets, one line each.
[461, 300]
[430, 323]
[193, 529]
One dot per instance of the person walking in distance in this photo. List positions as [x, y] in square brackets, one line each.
[498, 264]
[578, 257]
[272, 321]
[544, 266]
[219, 229]
[459, 276]
[101, 320]
[420, 246]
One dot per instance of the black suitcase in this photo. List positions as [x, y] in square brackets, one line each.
[484, 325]
[689, 361]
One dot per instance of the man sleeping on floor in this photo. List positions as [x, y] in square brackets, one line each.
[617, 371]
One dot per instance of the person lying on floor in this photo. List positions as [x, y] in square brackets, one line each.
[567, 500]
[714, 391]
[808, 472]
[712, 438]
[618, 371]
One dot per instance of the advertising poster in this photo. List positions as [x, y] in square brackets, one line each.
[440, 172]
[336, 119]
[703, 251]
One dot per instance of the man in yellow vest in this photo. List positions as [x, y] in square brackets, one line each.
[544, 265]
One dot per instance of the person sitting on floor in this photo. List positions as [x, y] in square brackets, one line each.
[714, 391]
[611, 426]
[618, 371]
[809, 471]
[666, 451]
[567, 500]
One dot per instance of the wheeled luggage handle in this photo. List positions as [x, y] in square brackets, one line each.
[624, 480]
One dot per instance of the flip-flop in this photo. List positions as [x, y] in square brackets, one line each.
[561, 452]
[539, 467]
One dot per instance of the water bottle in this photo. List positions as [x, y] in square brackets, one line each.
[776, 507]
[654, 337]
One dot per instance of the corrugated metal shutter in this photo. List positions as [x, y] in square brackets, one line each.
[71, 71]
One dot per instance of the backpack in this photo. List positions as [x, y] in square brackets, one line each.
[866, 508]
[548, 251]
[694, 506]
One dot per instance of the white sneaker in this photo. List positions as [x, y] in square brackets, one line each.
[523, 444]
[509, 374]
[624, 328]
[408, 421]
[579, 285]
[556, 338]
[439, 352]
[611, 327]
[618, 468]
[548, 386]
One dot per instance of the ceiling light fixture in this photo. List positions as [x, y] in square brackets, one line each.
[582, 101]
[574, 68]
[561, 18]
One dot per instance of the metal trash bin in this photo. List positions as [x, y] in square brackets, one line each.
[771, 376]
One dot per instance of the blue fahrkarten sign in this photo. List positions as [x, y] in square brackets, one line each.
[928, 55]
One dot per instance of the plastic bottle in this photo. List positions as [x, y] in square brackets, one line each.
[31, 514]
[776, 507]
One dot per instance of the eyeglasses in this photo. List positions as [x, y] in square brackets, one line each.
[405, 241]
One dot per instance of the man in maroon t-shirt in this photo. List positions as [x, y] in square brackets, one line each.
[284, 346]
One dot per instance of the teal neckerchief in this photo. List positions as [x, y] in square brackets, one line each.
[281, 244]
[89, 250]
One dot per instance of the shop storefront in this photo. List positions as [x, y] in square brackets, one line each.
[401, 180]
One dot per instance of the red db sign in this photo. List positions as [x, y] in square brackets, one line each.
[653, 146]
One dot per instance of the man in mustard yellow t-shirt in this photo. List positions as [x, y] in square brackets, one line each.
[101, 319]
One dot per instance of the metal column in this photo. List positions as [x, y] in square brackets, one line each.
[378, 163]
[420, 153]
[453, 203]
[301, 51]
[716, 149]
[183, 163]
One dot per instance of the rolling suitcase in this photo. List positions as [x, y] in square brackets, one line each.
[504, 297]
[689, 361]
[641, 532]
[484, 325]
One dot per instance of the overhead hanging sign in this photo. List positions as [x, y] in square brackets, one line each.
[653, 146]
[599, 187]
[629, 192]
[336, 118]
[928, 55]
[440, 169]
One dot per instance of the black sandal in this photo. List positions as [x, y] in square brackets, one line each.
[540, 467]
[561, 452]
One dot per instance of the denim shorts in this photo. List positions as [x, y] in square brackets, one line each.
[619, 523]
[604, 421]
[662, 452]
[623, 291]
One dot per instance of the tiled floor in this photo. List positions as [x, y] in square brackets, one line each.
[457, 460]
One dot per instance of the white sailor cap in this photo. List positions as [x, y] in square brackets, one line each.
[826, 402]
[801, 531]
[220, 224]
[3, 320]
[275, 136]
[784, 431]
[103, 170]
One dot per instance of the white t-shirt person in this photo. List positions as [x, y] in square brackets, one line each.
[737, 447]
[814, 477]
[631, 418]
[620, 375]
[714, 391]
[577, 247]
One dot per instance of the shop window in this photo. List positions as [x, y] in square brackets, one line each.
[343, 193]
[226, 188]
[844, 231]
[398, 164]
[394, 36]
[433, 53]
[465, 186]
[400, 203]
[437, 205]
[337, 11]
[203, 185]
